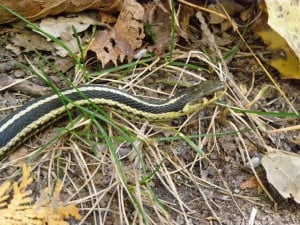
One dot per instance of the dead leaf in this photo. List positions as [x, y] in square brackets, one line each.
[230, 6]
[129, 31]
[19, 204]
[283, 58]
[63, 64]
[27, 41]
[103, 47]
[284, 18]
[186, 13]
[250, 183]
[125, 37]
[283, 172]
[62, 28]
[159, 19]
[106, 18]
[34, 10]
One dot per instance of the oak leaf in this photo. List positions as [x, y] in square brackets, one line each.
[124, 38]
[21, 209]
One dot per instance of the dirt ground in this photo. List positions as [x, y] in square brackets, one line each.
[191, 189]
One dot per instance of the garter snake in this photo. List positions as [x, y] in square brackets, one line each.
[28, 119]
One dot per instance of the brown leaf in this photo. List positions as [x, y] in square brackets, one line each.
[125, 37]
[250, 183]
[230, 6]
[159, 18]
[34, 10]
[103, 47]
[27, 41]
[129, 31]
[186, 13]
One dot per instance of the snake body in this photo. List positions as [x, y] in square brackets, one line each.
[36, 114]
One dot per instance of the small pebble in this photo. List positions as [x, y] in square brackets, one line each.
[255, 161]
[236, 191]
[19, 73]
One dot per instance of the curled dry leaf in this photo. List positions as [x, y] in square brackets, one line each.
[283, 172]
[34, 10]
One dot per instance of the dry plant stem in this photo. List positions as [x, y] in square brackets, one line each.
[202, 8]
[258, 179]
[179, 69]
[9, 108]
[78, 151]
[285, 129]
[182, 71]
[205, 199]
[167, 180]
[96, 197]
[238, 143]
[79, 78]
[192, 178]
[137, 78]
[239, 119]
[202, 142]
[160, 211]
[110, 202]
[210, 127]
[204, 183]
[189, 175]
[248, 157]
[82, 164]
[220, 73]
[251, 86]
[121, 83]
[174, 192]
[252, 118]
[16, 82]
[208, 37]
[182, 169]
[137, 191]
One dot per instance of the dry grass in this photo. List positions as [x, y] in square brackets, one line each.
[139, 180]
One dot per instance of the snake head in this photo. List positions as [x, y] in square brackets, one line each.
[203, 94]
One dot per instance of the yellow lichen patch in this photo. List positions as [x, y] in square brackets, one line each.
[18, 207]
